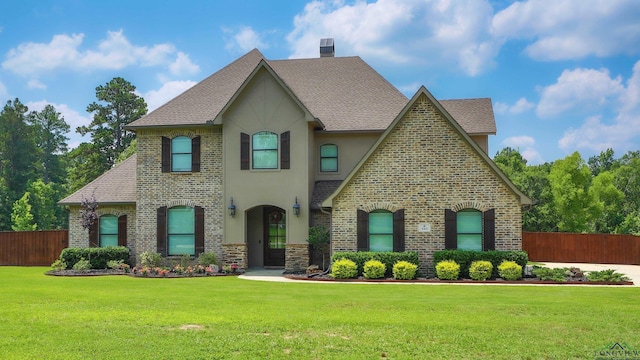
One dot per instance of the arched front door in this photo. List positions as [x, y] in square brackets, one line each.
[275, 235]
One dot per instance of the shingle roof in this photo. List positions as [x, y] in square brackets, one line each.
[116, 186]
[474, 115]
[344, 93]
[322, 190]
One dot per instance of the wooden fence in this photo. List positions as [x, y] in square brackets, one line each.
[32, 248]
[582, 248]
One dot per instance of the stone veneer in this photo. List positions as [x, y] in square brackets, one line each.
[296, 257]
[156, 189]
[235, 254]
[425, 166]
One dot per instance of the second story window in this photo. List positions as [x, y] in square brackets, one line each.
[329, 158]
[181, 154]
[265, 150]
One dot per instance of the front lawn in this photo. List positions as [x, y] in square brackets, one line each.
[122, 317]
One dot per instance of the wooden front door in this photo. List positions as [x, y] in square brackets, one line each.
[275, 236]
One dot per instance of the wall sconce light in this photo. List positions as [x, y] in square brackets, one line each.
[296, 208]
[231, 208]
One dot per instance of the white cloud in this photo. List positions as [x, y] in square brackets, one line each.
[621, 131]
[183, 65]
[169, 90]
[579, 89]
[36, 84]
[525, 146]
[450, 32]
[244, 39]
[522, 105]
[71, 117]
[113, 53]
[568, 29]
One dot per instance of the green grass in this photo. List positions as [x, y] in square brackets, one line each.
[120, 317]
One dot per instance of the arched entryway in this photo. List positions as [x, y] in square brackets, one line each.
[266, 236]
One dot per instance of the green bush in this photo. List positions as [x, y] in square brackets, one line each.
[150, 259]
[99, 256]
[404, 270]
[374, 269]
[387, 258]
[448, 270]
[548, 274]
[464, 258]
[207, 258]
[608, 275]
[82, 265]
[344, 269]
[480, 270]
[509, 270]
[59, 265]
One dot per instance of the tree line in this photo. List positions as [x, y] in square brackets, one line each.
[600, 195]
[37, 169]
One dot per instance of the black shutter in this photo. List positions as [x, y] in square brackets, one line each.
[122, 230]
[199, 230]
[398, 230]
[162, 230]
[94, 234]
[166, 154]
[363, 230]
[489, 237]
[244, 151]
[450, 230]
[285, 150]
[195, 154]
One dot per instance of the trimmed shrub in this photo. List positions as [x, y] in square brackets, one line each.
[509, 270]
[344, 269]
[374, 269]
[59, 265]
[207, 258]
[82, 265]
[99, 256]
[150, 259]
[448, 270]
[464, 258]
[481, 270]
[551, 274]
[608, 275]
[387, 258]
[404, 270]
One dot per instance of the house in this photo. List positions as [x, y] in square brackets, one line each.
[245, 161]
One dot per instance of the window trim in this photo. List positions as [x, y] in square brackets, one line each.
[275, 150]
[100, 234]
[363, 230]
[169, 234]
[167, 155]
[174, 153]
[336, 157]
[488, 229]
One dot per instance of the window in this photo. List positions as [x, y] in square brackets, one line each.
[262, 148]
[181, 231]
[329, 158]
[108, 230]
[265, 150]
[380, 230]
[470, 229]
[181, 154]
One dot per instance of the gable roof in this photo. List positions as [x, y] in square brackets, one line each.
[116, 186]
[342, 93]
[524, 200]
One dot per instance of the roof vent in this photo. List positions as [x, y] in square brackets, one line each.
[326, 48]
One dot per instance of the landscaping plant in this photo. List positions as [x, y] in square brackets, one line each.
[404, 270]
[480, 270]
[207, 258]
[608, 275]
[374, 269]
[150, 259]
[448, 270]
[509, 270]
[344, 269]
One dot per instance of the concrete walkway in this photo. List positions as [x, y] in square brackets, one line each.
[631, 271]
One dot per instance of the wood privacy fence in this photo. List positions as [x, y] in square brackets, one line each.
[582, 248]
[32, 248]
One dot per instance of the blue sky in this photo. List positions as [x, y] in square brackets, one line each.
[563, 75]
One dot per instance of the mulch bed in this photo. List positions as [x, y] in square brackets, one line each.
[111, 272]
